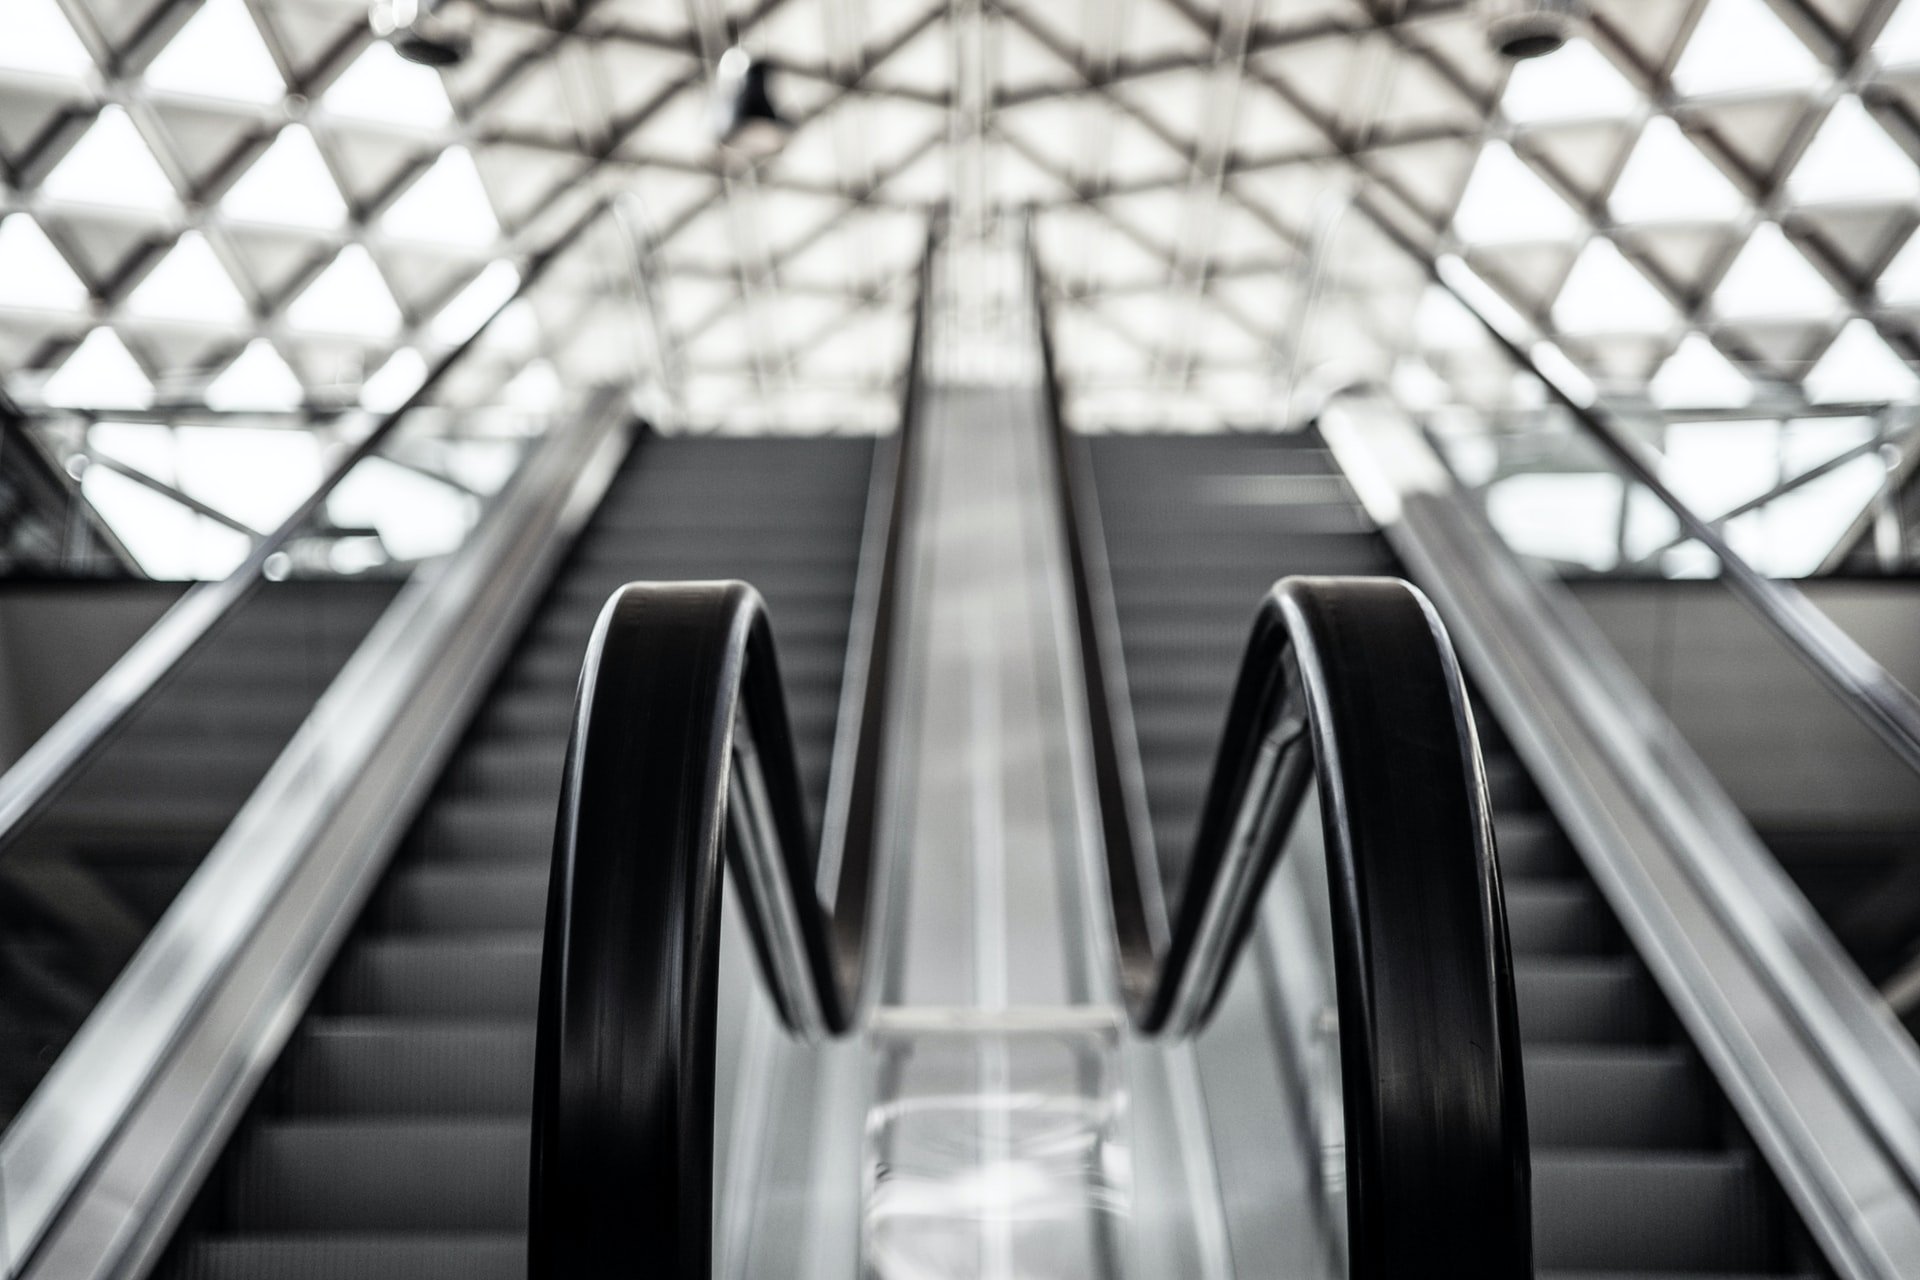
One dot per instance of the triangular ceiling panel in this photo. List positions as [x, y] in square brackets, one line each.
[1743, 46]
[519, 179]
[41, 42]
[33, 275]
[218, 53]
[1529, 275]
[1585, 158]
[113, 167]
[104, 246]
[422, 282]
[1430, 174]
[1688, 258]
[379, 87]
[1316, 74]
[1780, 349]
[273, 260]
[1421, 99]
[1749, 136]
[924, 63]
[626, 78]
[40, 120]
[371, 163]
[1856, 242]
[317, 38]
[1668, 180]
[205, 144]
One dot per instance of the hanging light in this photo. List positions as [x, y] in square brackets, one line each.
[744, 116]
[1531, 28]
[421, 31]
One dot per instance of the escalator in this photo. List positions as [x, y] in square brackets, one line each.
[391, 1139]
[1639, 1167]
[513, 1055]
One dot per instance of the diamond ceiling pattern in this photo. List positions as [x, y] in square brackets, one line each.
[255, 206]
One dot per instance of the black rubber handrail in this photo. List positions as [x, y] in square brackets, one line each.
[680, 695]
[681, 754]
[1350, 685]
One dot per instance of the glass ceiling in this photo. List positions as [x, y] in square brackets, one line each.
[254, 206]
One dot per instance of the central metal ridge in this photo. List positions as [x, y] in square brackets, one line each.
[996, 1142]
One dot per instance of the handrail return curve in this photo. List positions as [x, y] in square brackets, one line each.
[681, 755]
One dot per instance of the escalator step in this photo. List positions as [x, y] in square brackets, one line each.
[1557, 917]
[382, 1175]
[1650, 1212]
[389, 1067]
[441, 899]
[1582, 1001]
[1532, 844]
[460, 977]
[1603, 1097]
[499, 1255]
[483, 829]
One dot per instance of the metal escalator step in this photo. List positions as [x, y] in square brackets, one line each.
[1557, 917]
[1532, 844]
[499, 1255]
[1615, 1211]
[520, 767]
[395, 1067]
[466, 899]
[488, 829]
[1612, 1096]
[457, 977]
[1583, 1001]
[367, 1175]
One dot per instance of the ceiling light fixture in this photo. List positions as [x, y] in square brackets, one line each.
[744, 116]
[1531, 28]
[421, 31]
